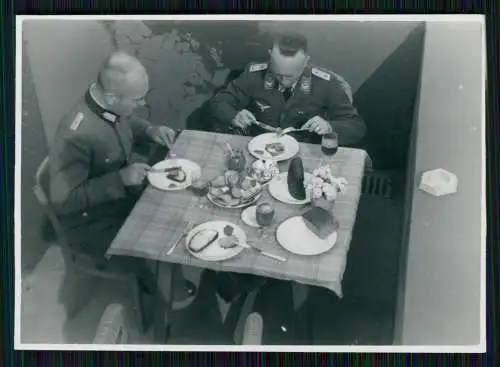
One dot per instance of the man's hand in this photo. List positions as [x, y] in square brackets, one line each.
[134, 174]
[318, 125]
[244, 119]
[162, 135]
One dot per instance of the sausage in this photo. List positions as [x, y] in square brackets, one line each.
[202, 239]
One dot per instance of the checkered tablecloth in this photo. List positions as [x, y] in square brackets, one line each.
[161, 218]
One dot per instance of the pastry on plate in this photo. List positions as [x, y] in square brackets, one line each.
[275, 148]
[176, 174]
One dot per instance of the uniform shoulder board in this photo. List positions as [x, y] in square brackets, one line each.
[257, 67]
[321, 74]
[77, 121]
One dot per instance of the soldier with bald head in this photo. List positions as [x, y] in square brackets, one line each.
[288, 91]
[94, 182]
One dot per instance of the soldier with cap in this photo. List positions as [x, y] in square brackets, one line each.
[288, 91]
[94, 183]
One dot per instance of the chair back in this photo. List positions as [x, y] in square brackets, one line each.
[345, 86]
[112, 328]
[41, 189]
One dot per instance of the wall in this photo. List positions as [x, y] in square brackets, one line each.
[189, 60]
[34, 149]
[440, 300]
[65, 56]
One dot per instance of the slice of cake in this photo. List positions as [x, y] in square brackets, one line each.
[320, 221]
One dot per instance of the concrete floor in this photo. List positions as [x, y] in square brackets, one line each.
[364, 316]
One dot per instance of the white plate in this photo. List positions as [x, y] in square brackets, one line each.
[259, 143]
[214, 252]
[160, 180]
[294, 236]
[278, 188]
[239, 206]
[249, 216]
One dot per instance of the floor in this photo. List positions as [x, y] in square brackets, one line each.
[363, 317]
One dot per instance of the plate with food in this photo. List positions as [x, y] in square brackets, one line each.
[271, 147]
[313, 233]
[290, 187]
[215, 241]
[232, 190]
[173, 174]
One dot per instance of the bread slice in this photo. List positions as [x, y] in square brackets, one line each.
[320, 221]
[202, 239]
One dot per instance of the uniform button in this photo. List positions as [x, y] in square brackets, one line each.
[107, 160]
[85, 214]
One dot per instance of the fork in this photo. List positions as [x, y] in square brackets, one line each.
[188, 228]
[289, 130]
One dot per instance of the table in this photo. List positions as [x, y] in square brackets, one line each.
[160, 219]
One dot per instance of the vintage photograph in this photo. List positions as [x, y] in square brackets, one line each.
[250, 182]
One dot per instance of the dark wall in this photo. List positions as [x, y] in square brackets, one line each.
[35, 233]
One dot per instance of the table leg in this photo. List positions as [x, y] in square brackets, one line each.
[300, 294]
[165, 280]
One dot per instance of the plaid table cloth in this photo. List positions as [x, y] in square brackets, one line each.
[160, 219]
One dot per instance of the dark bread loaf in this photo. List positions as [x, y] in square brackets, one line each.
[202, 239]
[295, 179]
[320, 221]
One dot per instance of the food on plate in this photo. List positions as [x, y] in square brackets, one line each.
[295, 179]
[258, 151]
[216, 192]
[320, 221]
[219, 181]
[172, 186]
[228, 242]
[176, 174]
[275, 148]
[232, 178]
[228, 230]
[202, 239]
[226, 198]
[237, 189]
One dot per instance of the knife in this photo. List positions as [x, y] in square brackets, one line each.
[264, 253]
[267, 127]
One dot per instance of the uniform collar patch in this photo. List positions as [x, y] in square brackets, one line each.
[321, 74]
[103, 113]
[257, 67]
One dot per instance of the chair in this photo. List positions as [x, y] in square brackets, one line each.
[345, 86]
[114, 329]
[76, 263]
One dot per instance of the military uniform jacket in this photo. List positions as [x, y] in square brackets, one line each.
[318, 92]
[86, 192]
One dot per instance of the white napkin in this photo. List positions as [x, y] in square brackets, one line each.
[438, 182]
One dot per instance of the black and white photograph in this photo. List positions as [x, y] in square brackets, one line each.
[250, 183]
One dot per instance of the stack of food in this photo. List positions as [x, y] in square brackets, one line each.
[233, 190]
[264, 170]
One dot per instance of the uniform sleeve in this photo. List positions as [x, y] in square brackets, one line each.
[71, 189]
[235, 97]
[139, 127]
[343, 116]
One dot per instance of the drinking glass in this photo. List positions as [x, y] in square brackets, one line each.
[330, 144]
[264, 214]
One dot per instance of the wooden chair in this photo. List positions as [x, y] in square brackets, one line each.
[114, 329]
[79, 265]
